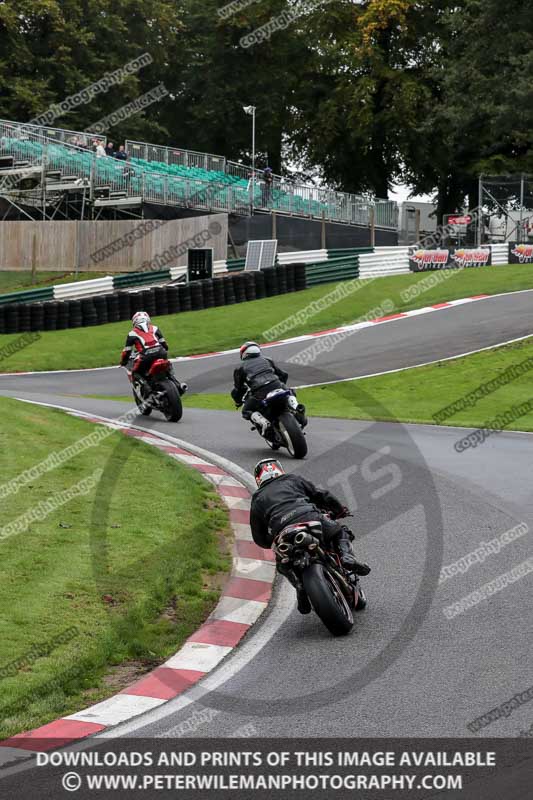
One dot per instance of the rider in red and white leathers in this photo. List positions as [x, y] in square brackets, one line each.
[147, 341]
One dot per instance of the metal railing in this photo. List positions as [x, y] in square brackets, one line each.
[176, 155]
[21, 130]
[132, 180]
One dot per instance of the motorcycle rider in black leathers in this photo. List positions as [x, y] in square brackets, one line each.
[282, 500]
[256, 377]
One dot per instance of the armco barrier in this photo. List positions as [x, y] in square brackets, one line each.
[384, 261]
[83, 288]
[339, 269]
[32, 295]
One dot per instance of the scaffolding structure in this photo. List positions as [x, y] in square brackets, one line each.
[507, 203]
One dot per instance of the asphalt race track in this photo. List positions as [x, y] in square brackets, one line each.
[406, 669]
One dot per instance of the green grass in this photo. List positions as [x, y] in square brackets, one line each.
[415, 395]
[131, 573]
[228, 326]
[15, 280]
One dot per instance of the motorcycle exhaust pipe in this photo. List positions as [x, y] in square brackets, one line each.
[284, 547]
[304, 539]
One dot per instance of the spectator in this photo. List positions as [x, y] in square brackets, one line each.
[121, 153]
[268, 180]
[100, 150]
[109, 150]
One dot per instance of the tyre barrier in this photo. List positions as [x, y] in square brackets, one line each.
[185, 297]
[197, 298]
[161, 300]
[100, 307]
[63, 315]
[271, 281]
[259, 280]
[173, 299]
[50, 317]
[124, 305]
[236, 287]
[218, 291]
[229, 291]
[249, 286]
[208, 293]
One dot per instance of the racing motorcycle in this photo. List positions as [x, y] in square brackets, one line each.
[158, 390]
[334, 593]
[287, 421]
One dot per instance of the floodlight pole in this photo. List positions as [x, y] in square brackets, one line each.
[253, 157]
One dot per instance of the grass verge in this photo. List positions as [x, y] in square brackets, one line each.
[227, 326]
[110, 583]
[415, 395]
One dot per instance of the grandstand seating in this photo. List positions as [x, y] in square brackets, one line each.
[180, 185]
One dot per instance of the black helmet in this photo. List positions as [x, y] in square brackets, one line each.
[266, 470]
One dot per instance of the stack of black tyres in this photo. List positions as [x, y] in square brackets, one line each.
[88, 312]
[161, 300]
[281, 275]
[229, 291]
[259, 280]
[218, 291]
[36, 317]
[136, 302]
[185, 296]
[249, 285]
[148, 301]
[11, 318]
[197, 297]
[271, 281]
[173, 299]
[113, 307]
[300, 279]
[63, 315]
[208, 293]
[124, 305]
[50, 316]
[239, 286]
[2, 319]
[24, 318]
[100, 306]
[75, 314]
[290, 277]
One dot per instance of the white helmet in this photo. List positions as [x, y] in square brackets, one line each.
[266, 470]
[249, 349]
[141, 320]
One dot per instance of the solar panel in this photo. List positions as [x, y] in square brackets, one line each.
[261, 253]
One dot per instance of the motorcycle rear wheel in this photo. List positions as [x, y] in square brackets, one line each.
[327, 599]
[172, 407]
[292, 433]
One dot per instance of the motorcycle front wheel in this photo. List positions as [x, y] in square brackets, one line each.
[327, 599]
[144, 409]
[293, 435]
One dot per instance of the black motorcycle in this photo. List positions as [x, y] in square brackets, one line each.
[287, 421]
[334, 593]
[158, 390]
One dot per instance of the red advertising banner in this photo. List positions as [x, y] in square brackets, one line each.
[520, 253]
[454, 258]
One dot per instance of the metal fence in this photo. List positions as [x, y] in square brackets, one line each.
[175, 155]
[23, 130]
[132, 180]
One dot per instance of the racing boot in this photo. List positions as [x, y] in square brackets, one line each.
[348, 560]
[303, 602]
[261, 422]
